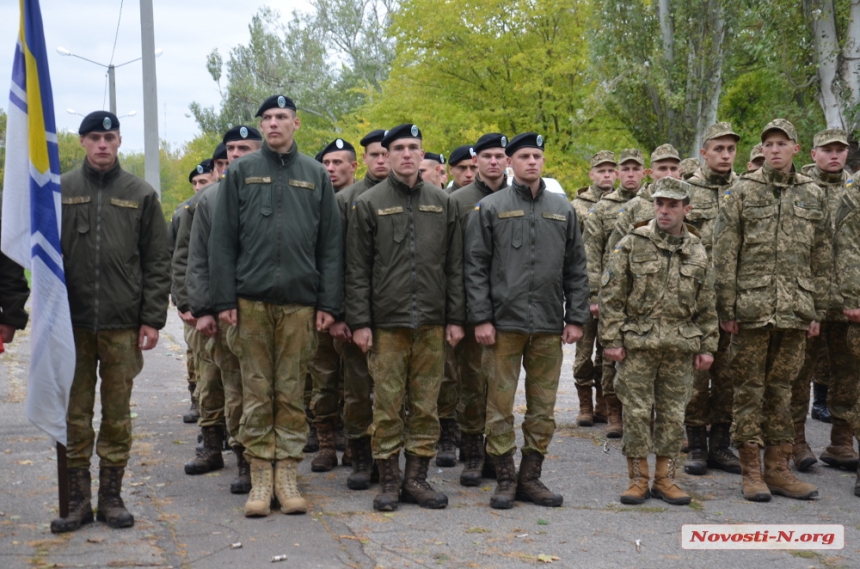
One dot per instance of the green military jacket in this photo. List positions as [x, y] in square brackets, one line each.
[276, 235]
[173, 226]
[404, 258]
[525, 263]
[469, 196]
[631, 214]
[773, 251]
[115, 250]
[179, 254]
[658, 293]
[347, 196]
[585, 200]
[707, 190]
[599, 224]
[197, 273]
[14, 292]
[846, 247]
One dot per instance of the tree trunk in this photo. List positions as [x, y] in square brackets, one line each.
[851, 67]
[823, 23]
[712, 78]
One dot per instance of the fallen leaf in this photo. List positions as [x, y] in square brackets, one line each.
[541, 522]
[477, 530]
[544, 558]
[25, 462]
[95, 539]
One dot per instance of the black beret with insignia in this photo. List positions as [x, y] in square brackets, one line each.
[241, 132]
[490, 140]
[440, 158]
[400, 131]
[220, 152]
[524, 140]
[335, 145]
[98, 121]
[276, 102]
[460, 153]
[204, 167]
[371, 137]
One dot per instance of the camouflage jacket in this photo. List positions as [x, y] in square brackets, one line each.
[658, 293]
[708, 187]
[773, 251]
[634, 212]
[599, 224]
[846, 248]
[586, 198]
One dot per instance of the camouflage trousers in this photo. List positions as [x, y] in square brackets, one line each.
[357, 393]
[712, 392]
[764, 362]
[588, 364]
[274, 346]
[407, 366]
[473, 365]
[220, 385]
[190, 355]
[541, 356]
[659, 379]
[326, 372]
[117, 357]
[449, 391]
[828, 350]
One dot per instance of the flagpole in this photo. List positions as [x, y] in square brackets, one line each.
[63, 480]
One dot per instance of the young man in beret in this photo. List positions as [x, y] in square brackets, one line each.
[219, 160]
[462, 167]
[432, 169]
[276, 273]
[115, 253]
[339, 160]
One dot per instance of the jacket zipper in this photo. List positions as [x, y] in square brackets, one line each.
[412, 256]
[532, 261]
[98, 252]
[278, 226]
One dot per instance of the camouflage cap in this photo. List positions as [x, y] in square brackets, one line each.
[633, 154]
[665, 152]
[689, 166]
[719, 130]
[756, 153]
[602, 157]
[829, 136]
[781, 125]
[671, 189]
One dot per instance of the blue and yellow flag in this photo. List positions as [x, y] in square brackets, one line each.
[31, 224]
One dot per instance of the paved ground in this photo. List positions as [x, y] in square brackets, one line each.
[185, 521]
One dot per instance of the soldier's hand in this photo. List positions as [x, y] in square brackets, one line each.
[485, 334]
[7, 333]
[853, 315]
[207, 326]
[340, 332]
[571, 334]
[814, 329]
[231, 317]
[324, 320]
[363, 338]
[594, 309]
[188, 318]
[731, 326]
[703, 361]
[453, 334]
[147, 338]
[615, 354]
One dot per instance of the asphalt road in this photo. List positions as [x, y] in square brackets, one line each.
[185, 521]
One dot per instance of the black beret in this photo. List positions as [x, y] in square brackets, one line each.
[276, 102]
[440, 158]
[241, 132]
[460, 153]
[220, 152]
[490, 140]
[335, 145]
[524, 140]
[371, 137]
[401, 131]
[203, 168]
[99, 121]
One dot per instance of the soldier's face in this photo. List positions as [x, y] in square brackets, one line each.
[220, 166]
[464, 172]
[341, 167]
[631, 174]
[201, 181]
[670, 214]
[527, 164]
[491, 163]
[604, 175]
[405, 155]
[779, 150]
[431, 172]
[376, 159]
[665, 168]
[101, 148]
[755, 164]
[239, 148]
[830, 157]
[278, 127]
[719, 154]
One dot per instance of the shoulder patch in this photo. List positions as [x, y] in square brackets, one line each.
[77, 200]
[302, 184]
[125, 203]
[514, 213]
[258, 180]
[606, 277]
[555, 216]
[389, 210]
[432, 208]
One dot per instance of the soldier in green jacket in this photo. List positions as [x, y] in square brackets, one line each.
[432, 169]
[276, 272]
[527, 293]
[115, 254]
[659, 322]
[404, 284]
[772, 259]
[462, 167]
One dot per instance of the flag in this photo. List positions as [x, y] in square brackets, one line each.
[31, 224]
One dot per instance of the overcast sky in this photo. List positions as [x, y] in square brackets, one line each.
[187, 30]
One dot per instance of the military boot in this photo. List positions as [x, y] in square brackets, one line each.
[841, 450]
[242, 483]
[259, 501]
[820, 410]
[697, 451]
[754, 488]
[446, 448]
[416, 489]
[778, 476]
[388, 497]
[287, 487]
[801, 453]
[529, 486]
[506, 482]
[362, 464]
[80, 502]
[111, 508]
[339, 438]
[489, 470]
[720, 453]
[210, 457]
[664, 486]
[586, 407]
[313, 443]
[600, 412]
[615, 429]
[473, 448]
[347, 457]
[193, 413]
[326, 457]
[637, 492]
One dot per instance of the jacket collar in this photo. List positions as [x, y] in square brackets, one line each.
[714, 178]
[666, 241]
[525, 192]
[827, 177]
[401, 186]
[277, 157]
[484, 188]
[777, 178]
[99, 176]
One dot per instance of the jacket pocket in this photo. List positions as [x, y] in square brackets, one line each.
[692, 276]
[82, 219]
[517, 232]
[759, 222]
[806, 216]
[393, 223]
[753, 302]
[805, 299]
[636, 334]
[691, 337]
[266, 200]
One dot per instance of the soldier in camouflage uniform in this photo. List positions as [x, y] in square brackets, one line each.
[688, 167]
[117, 266]
[658, 321]
[587, 372]
[756, 159]
[828, 352]
[773, 259]
[599, 225]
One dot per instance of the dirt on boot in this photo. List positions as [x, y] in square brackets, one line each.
[111, 509]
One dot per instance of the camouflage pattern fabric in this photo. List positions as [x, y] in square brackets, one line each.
[474, 368]
[116, 355]
[449, 391]
[599, 224]
[190, 358]
[231, 379]
[357, 390]
[712, 391]
[585, 370]
[327, 375]
[210, 387]
[634, 212]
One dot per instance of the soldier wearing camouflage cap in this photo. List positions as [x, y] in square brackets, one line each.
[773, 260]
[658, 321]
[688, 167]
[756, 158]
